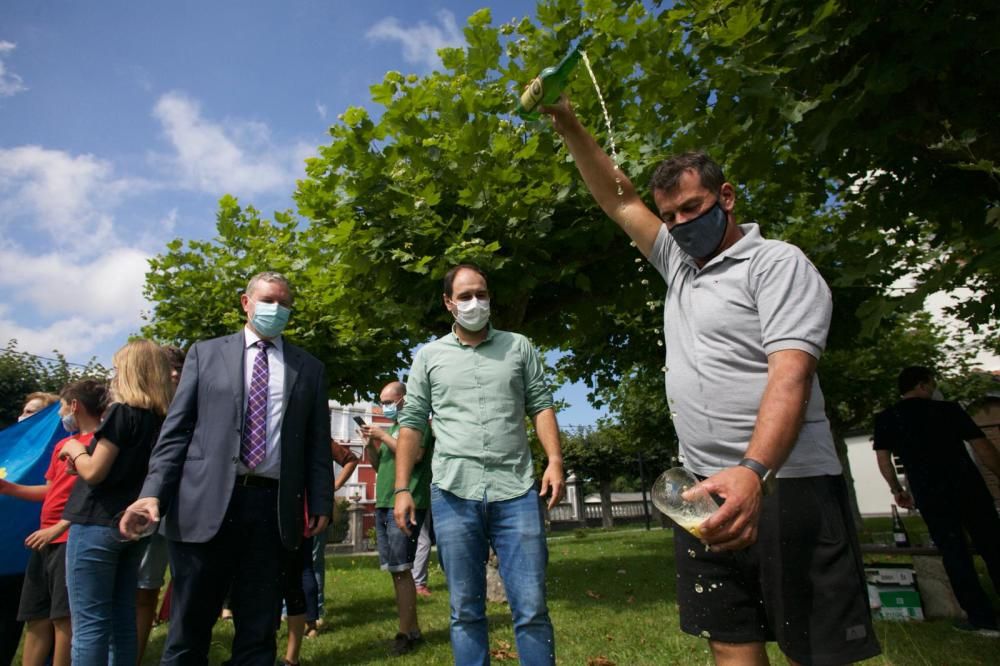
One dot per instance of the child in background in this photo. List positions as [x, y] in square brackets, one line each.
[44, 602]
[101, 565]
[11, 584]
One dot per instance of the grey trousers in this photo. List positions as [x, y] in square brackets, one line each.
[423, 556]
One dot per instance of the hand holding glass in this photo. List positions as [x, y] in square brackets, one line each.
[135, 524]
[678, 494]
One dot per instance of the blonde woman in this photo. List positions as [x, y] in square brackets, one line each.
[101, 567]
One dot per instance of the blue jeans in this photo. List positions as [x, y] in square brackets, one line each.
[319, 571]
[465, 531]
[101, 576]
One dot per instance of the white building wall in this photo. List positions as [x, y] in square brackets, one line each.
[874, 498]
[345, 430]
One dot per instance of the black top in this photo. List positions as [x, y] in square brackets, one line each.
[929, 437]
[134, 431]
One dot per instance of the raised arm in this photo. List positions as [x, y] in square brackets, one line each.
[611, 188]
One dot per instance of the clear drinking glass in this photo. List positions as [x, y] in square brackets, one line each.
[134, 525]
[667, 495]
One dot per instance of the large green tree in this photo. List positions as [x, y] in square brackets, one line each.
[861, 132]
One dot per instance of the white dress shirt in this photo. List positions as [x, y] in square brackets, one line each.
[271, 465]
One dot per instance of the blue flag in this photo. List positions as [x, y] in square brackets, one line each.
[25, 450]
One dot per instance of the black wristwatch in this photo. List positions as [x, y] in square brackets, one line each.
[762, 472]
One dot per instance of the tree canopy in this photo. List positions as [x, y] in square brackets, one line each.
[863, 133]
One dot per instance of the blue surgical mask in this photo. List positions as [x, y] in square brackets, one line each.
[390, 411]
[701, 236]
[269, 319]
[69, 423]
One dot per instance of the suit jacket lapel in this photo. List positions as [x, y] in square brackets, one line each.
[293, 365]
[234, 358]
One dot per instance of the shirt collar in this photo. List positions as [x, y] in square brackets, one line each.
[744, 248]
[250, 338]
[490, 332]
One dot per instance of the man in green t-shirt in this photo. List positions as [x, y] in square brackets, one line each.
[396, 549]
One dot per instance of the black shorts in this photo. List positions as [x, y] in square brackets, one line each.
[44, 595]
[801, 584]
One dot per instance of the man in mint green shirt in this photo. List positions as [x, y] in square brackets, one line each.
[397, 549]
[480, 384]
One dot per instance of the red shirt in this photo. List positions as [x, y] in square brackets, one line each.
[60, 485]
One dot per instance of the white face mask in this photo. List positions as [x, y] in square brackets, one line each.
[472, 314]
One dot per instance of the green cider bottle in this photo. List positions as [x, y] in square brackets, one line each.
[547, 86]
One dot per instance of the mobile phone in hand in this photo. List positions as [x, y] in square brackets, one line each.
[360, 421]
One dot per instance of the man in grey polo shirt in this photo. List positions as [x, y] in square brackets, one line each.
[745, 320]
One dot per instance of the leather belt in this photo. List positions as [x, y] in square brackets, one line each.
[254, 481]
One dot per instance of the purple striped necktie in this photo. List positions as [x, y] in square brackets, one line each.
[254, 444]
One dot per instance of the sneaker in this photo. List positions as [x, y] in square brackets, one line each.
[416, 637]
[986, 632]
[423, 591]
[402, 644]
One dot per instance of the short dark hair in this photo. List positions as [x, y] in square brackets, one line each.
[449, 277]
[669, 172]
[913, 376]
[90, 393]
[175, 356]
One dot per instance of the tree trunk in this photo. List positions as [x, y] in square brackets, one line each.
[494, 584]
[607, 519]
[841, 445]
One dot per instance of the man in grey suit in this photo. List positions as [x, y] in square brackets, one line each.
[245, 445]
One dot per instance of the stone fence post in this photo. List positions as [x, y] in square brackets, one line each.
[574, 494]
[356, 525]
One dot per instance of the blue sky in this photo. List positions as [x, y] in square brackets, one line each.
[122, 123]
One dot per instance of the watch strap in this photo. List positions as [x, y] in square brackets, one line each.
[758, 468]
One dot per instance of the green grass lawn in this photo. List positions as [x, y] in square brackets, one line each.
[611, 595]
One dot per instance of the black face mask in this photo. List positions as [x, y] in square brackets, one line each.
[702, 236]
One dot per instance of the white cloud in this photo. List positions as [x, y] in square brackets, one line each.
[70, 280]
[67, 196]
[421, 41]
[10, 83]
[84, 306]
[234, 156]
[77, 338]
[107, 287]
[321, 110]
[73, 264]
